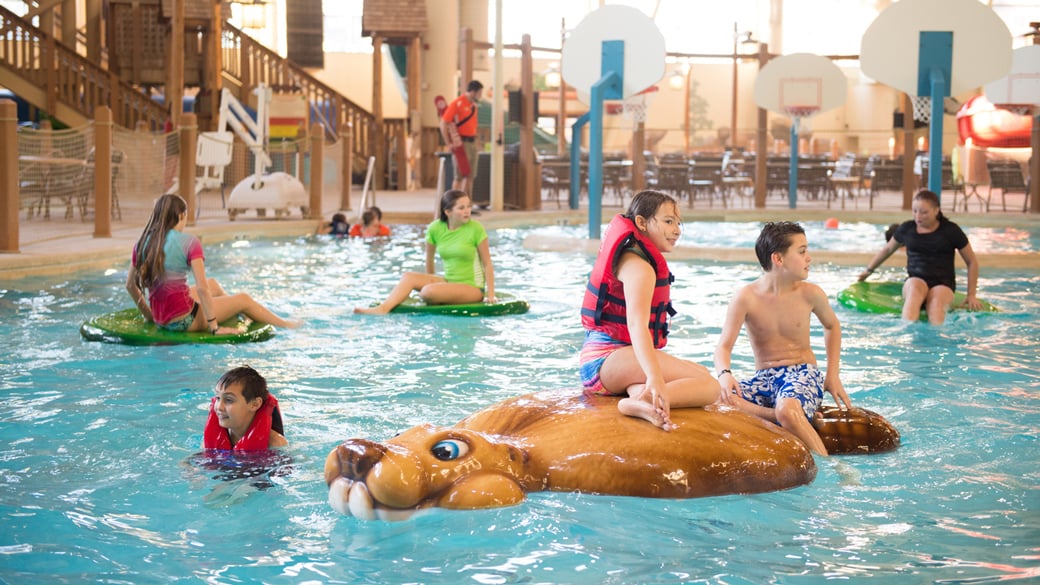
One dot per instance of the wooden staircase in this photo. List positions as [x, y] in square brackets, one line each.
[65, 84]
[68, 86]
[247, 63]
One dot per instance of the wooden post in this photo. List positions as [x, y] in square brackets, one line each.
[733, 107]
[175, 75]
[909, 152]
[686, 110]
[94, 26]
[186, 180]
[9, 190]
[214, 65]
[761, 139]
[317, 170]
[401, 154]
[49, 59]
[466, 60]
[1034, 161]
[378, 136]
[69, 21]
[346, 137]
[529, 183]
[638, 160]
[103, 172]
[415, 107]
[137, 38]
[561, 113]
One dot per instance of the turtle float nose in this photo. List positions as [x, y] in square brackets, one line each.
[353, 459]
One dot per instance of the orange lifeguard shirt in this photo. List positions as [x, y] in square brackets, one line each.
[462, 110]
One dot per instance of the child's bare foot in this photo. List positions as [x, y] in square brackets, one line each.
[370, 311]
[646, 411]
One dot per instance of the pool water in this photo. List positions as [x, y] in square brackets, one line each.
[847, 237]
[102, 479]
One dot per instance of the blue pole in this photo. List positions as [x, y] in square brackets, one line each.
[934, 68]
[575, 193]
[792, 174]
[596, 154]
[612, 67]
[935, 133]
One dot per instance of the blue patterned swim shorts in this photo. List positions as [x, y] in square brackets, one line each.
[771, 385]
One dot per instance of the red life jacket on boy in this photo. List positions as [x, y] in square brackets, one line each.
[604, 306]
[258, 435]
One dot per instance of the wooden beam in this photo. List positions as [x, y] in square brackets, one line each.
[175, 78]
[377, 112]
[46, 6]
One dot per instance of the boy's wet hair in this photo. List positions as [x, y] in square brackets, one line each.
[474, 86]
[775, 237]
[646, 203]
[339, 217]
[253, 384]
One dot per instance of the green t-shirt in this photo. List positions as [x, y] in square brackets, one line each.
[458, 250]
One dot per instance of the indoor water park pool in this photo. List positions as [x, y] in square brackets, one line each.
[105, 482]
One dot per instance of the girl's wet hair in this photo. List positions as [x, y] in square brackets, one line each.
[931, 197]
[448, 201]
[646, 203]
[775, 237]
[149, 247]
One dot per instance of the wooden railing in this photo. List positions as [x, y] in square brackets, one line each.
[64, 78]
[249, 64]
[69, 79]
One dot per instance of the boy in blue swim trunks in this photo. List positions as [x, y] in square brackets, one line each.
[788, 387]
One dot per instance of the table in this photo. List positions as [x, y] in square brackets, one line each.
[844, 186]
[54, 176]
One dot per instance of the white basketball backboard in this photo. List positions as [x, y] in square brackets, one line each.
[890, 49]
[800, 84]
[644, 61]
[1021, 86]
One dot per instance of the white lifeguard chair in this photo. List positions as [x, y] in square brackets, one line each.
[278, 191]
[212, 156]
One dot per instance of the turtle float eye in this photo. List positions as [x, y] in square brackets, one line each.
[449, 449]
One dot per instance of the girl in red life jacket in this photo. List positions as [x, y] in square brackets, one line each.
[243, 415]
[625, 315]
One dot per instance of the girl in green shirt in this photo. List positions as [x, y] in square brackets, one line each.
[469, 276]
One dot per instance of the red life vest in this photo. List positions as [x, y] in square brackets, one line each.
[604, 306]
[258, 435]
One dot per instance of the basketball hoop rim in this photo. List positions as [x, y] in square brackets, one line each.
[801, 111]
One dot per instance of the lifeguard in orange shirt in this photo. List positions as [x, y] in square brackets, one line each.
[462, 111]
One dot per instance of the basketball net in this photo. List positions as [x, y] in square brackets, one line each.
[799, 113]
[922, 107]
[634, 107]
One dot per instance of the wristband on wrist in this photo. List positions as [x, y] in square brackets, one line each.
[726, 371]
